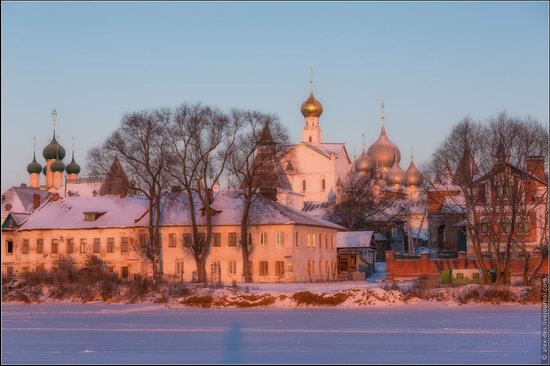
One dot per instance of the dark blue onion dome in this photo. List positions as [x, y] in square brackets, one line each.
[53, 149]
[57, 165]
[45, 169]
[73, 167]
[34, 167]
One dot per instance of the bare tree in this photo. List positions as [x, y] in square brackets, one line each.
[140, 145]
[256, 168]
[361, 201]
[201, 140]
[493, 184]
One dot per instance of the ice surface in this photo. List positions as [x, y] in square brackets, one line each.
[99, 333]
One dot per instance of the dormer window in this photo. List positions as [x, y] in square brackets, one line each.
[92, 216]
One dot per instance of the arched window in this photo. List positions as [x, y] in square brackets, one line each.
[309, 138]
[303, 185]
[504, 188]
[485, 226]
[323, 184]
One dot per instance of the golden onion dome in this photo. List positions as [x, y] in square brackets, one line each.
[364, 163]
[413, 177]
[396, 175]
[311, 107]
[384, 152]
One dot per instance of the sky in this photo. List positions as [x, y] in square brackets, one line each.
[432, 64]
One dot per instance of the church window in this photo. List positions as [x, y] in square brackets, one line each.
[309, 138]
[323, 184]
[303, 185]
[9, 247]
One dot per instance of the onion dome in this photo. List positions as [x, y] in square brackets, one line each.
[52, 150]
[395, 175]
[413, 177]
[73, 167]
[384, 152]
[311, 107]
[57, 165]
[34, 167]
[364, 163]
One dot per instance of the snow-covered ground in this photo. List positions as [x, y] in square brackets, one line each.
[421, 333]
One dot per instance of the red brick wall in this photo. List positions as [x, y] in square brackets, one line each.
[397, 269]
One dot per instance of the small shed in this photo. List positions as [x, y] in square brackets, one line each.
[356, 254]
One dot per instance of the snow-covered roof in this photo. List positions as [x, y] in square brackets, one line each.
[80, 188]
[132, 211]
[354, 239]
[20, 199]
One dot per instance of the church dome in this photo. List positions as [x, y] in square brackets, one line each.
[413, 177]
[57, 166]
[364, 163]
[53, 149]
[34, 166]
[311, 107]
[73, 167]
[396, 175]
[384, 152]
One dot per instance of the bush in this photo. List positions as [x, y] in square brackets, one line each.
[309, 298]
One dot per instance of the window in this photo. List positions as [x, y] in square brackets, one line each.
[280, 239]
[250, 239]
[124, 272]
[312, 267]
[320, 266]
[110, 245]
[506, 225]
[296, 239]
[143, 239]
[97, 245]
[89, 216]
[485, 226]
[504, 188]
[55, 246]
[460, 276]
[326, 267]
[263, 268]
[309, 138]
[475, 276]
[39, 246]
[172, 240]
[82, 246]
[332, 242]
[481, 193]
[217, 240]
[279, 268]
[9, 246]
[25, 249]
[187, 239]
[320, 242]
[323, 184]
[124, 244]
[326, 241]
[523, 226]
[70, 246]
[179, 267]
[232, 239]
[263, 239]
[303, 185]
[232, 267]
[309, 268]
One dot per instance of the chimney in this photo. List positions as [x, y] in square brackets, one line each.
[35, 201]
[535, 166]
[55, 196]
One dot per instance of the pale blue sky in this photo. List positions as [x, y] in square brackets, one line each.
[431, 63]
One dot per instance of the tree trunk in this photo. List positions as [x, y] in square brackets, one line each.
[202, 275]
[244, 242]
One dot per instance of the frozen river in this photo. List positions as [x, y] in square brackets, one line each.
[99, 333]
